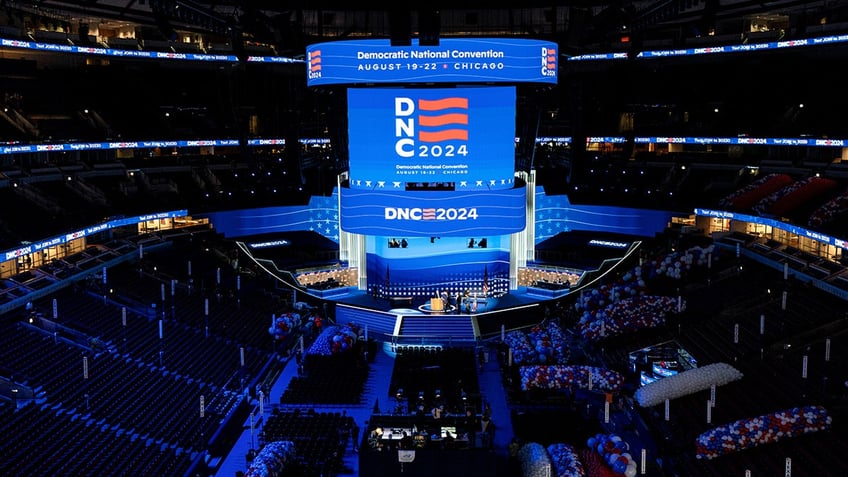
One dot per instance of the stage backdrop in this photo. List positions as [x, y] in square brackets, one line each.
[418, 266]
[554, 214]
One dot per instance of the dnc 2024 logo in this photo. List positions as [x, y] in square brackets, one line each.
[431, 127]
[431, 213]
[314, 61]
[549, 62]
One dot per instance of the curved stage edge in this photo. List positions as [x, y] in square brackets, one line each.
[415, 323]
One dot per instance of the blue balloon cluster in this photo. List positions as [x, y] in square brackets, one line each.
[565, 461]
[534, 460]
[335, 339]
[542, 344]
[272, 459]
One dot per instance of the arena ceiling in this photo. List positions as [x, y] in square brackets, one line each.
[573, 20]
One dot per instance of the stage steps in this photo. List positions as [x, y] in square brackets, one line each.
[381, 325]
[438, 327]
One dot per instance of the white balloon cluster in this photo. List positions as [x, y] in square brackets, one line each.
[676, 265]
[686, 383]
[829, 210]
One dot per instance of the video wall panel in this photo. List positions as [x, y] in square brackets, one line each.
[418, 266]
[460, 135]
[454, 60]
[433, 213]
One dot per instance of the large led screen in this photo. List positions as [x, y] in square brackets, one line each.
[430, 213]
[460, 135]
[419, 266]
[453, 60]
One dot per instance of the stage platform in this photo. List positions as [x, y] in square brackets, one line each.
[410, 326]
[517, 298]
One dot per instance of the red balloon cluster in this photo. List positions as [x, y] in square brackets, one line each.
[751, 432]
[284, 324]
[560, 377]
[745, 198]
[594, 464]
[806, 190]
[628, 315]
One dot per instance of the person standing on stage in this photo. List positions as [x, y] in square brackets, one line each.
[437, 414]
[470, 425]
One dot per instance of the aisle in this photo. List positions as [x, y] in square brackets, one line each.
[236, 460]
[492, 390]
[376, 393]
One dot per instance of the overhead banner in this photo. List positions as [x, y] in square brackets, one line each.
[461, 135]
[433, 214]
[454, 60]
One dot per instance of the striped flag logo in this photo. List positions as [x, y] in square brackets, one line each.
[315, 61]
[443, 119]
[428, 214]
[550, 59]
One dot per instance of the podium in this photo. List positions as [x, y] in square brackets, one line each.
[437, 304]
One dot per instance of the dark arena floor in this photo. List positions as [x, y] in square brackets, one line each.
[119, 366]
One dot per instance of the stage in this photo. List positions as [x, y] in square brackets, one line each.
[411, 325]
[417, 305]
[429, 312]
